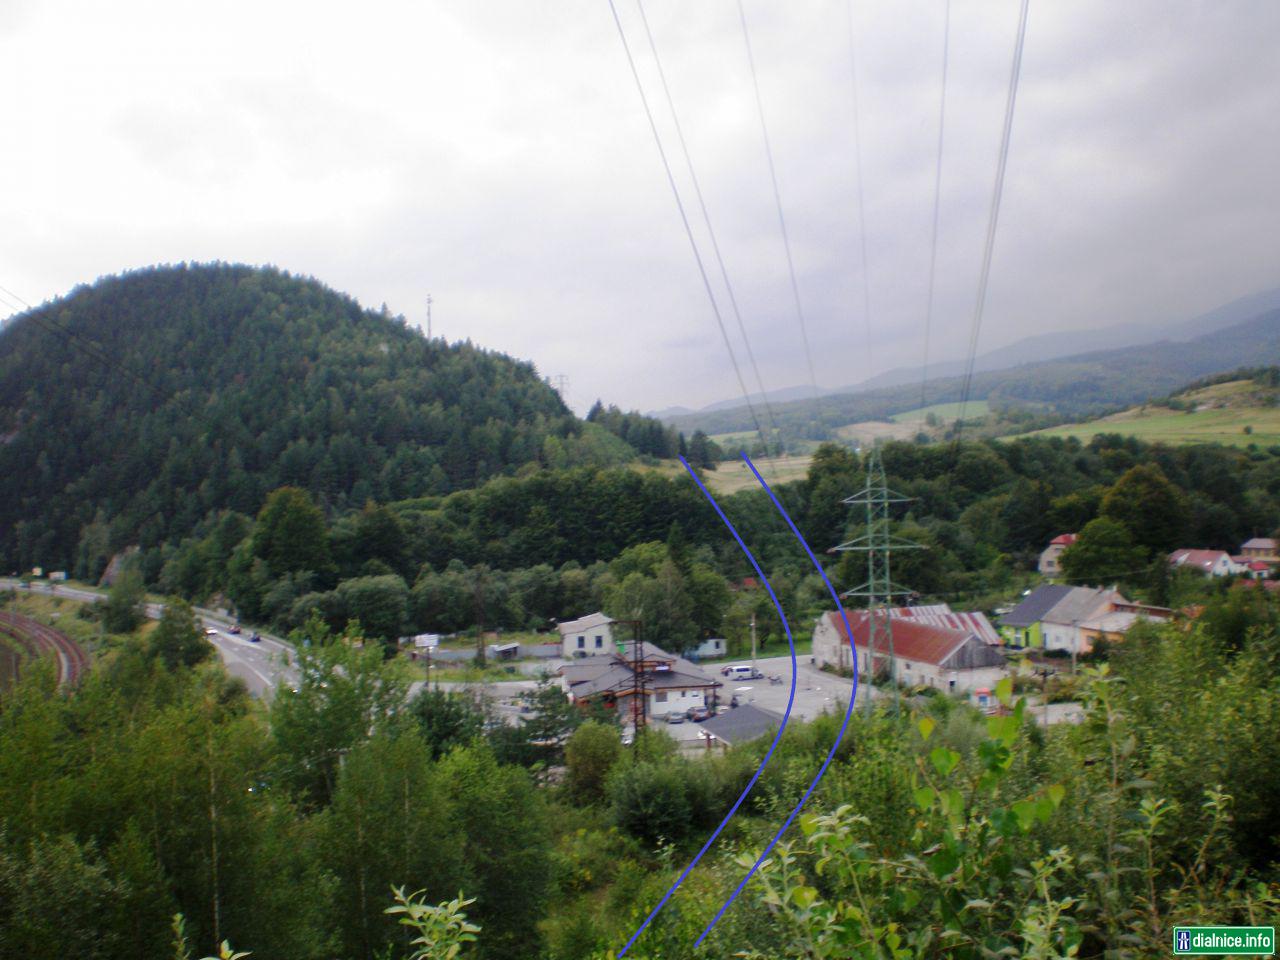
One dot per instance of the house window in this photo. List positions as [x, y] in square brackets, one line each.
[908, 667]
[582, 643]
[661, 697]
[951, 684]
[599, 640]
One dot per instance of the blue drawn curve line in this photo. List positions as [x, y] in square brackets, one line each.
[776, 737]
[839, 737]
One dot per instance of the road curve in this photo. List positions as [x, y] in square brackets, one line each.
[262, 664]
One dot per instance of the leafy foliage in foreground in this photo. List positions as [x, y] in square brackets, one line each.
[158, 788]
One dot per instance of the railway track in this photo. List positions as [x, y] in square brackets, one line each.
[38, 641]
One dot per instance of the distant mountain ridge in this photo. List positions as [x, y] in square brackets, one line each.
[1038, 348]
[1086, 383]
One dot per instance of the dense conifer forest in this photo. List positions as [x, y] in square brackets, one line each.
[131, 409]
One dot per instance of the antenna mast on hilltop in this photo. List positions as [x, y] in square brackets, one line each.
[879, 589]
[428, 316]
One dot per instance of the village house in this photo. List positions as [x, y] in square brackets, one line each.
[1113, 625]
[941, 615]
[1023, 626]
[632, 678]
[740, 725]
[1061, 622]
[1260, 548]
[710, 648]
[1050, 565]
[1212, 563]
[924, 654]
[587, 636]
[1253, 569]
[1058, 617]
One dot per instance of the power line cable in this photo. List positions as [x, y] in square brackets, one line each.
[706, 218]
[862, 213]
[777, 199]
[684, 219]
[11, 294]
[86, 346]
[994, 217]
[937, 195]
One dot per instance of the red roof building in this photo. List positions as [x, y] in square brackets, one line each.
[924, 654]
[1049, 565]
[1212, 563]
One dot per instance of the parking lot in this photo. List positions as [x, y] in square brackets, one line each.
[815, 692]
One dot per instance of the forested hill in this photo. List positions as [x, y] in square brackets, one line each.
[131, 409]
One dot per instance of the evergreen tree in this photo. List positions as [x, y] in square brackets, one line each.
[177, 640]
[124, 609]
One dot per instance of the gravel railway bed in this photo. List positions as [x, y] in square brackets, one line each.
[38, 640]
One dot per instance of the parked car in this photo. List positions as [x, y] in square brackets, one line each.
[698, 714]
[675, 718]
[235, 628]
[742, 671]
[254, 638]
[210, 632]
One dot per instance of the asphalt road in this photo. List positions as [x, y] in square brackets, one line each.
[262, 665]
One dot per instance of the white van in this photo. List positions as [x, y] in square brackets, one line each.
[741, 671]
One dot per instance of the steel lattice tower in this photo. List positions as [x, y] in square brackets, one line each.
[878, 543]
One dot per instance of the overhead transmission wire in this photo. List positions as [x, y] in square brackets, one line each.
[684, 219]
[937, 205]
[85, 345]
[706, 219]
[777, 199]
[993, 218]
[857, 155]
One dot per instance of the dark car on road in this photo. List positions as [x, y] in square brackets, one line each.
[698, 714]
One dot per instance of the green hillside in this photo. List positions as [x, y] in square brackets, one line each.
[1236, 412]
[135, 408]
[945, 412]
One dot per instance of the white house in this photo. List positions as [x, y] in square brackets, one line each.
[667, 683]
[1213, 563]
[710, 648]
[587, 636]
[1061, 625]
[924, 654]
[1051, 557]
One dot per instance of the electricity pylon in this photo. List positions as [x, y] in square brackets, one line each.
[878, 589]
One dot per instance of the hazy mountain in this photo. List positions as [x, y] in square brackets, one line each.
[1083, 384]
[1034, 349]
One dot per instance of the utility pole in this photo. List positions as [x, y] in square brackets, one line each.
[428, 316]
[562, 384]
[754, 671]
[478, 587]
[637, 680]
[879, 589]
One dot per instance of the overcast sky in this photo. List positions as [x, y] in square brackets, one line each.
[496, 155]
